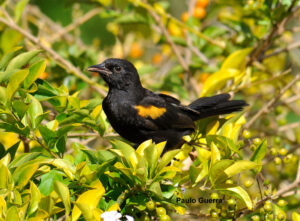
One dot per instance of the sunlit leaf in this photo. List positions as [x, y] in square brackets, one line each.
[21, 60]
[22, 175]
[15, 82]
[34, 72]
[240, 166]
[240, 193]
[63, 192]
[88, 200]
[35, 197]
[260, 153]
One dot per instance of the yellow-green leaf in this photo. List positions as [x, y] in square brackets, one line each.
[87, 202]
[15, 82]
[12, 214]
[23, 174]
[237, 60]
[240, 193]
[240, 166]
[21, 60]
[64, 194]
[215, 153]
[217, 80]
[34, 72]
[35, 198]
[295, 216]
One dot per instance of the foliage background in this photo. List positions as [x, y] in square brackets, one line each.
[55, 140]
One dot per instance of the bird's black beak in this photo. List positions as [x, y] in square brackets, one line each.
[99, 68]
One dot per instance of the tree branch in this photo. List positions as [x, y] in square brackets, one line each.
[266, 108]
[258, 52]
[76, 23]
[294, 185]
[175, 49]
[55, 56]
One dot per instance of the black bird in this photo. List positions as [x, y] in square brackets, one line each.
[139, 114]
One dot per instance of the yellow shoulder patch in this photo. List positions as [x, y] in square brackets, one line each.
[150, 111]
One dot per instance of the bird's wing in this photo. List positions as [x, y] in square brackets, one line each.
[164, 112]
[176, 102]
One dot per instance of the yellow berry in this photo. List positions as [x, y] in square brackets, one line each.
[246, 134]
[283, 151]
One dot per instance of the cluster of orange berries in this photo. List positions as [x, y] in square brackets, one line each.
[199, 11]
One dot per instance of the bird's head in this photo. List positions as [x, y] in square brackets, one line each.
[117, 73]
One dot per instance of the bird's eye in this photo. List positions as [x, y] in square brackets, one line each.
[117, 68]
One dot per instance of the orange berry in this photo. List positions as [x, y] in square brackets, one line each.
[136, 50]
[202, 3]
[44, 75]
[199, 12]
[156, 59]
[184, 16]
[203, 77]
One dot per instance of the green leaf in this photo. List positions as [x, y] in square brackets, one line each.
[14, 128]
[35, 109]
[9, 39]
[12, 214]
[7, 57]
[168, 191]
[223, 142]
[155, 188]
[61, 144]
[23, 158]
[13, 149]
[34, 72]
[217, 170]
[22, 175]
[150, 154]
[47, 181]
[198, 173]
[127, 151]
[240, 193]
[35, 198]
[21, 60]
[15, 82]
[2, 95]
[240, 166]
[260, 153]
[166, 159]
[2, 151]
[47, 134]
[20, 107]
[19, 9]
[64, 194]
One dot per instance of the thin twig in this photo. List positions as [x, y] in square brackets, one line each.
[83, 134]
[255, 83]
[266, 108]
[291, 187]
[76, 23]
[258, 52]
[55, 56]
[175, 49]
[292, 99]
[149, 8]
[289, 126]
[280, 50]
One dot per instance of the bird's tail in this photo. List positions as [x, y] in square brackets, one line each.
[216, 105]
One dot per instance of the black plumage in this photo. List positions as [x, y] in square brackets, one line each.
[139, 114]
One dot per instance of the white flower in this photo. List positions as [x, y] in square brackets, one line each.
[111, 216]
[129, 218]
